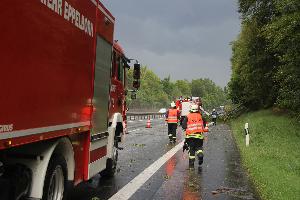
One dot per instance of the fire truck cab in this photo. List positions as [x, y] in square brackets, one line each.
[119, 85]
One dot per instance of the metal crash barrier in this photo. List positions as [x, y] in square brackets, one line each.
[144, 115]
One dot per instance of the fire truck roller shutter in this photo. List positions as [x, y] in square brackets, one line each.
[101, 86]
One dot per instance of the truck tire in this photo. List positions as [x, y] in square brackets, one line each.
[55, 180]
[111, 165]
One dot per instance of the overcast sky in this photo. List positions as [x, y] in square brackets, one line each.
[186, 39]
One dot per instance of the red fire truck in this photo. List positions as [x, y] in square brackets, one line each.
[62, 99]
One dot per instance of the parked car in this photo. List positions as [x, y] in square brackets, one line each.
[162, 110]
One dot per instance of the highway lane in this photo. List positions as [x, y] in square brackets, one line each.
[220, 177]
[141, 148]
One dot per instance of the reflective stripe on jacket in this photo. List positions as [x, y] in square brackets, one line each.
[197, 135]
[194, 124]
[172, 116]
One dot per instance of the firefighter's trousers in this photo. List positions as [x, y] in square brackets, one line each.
[195, 150]
[214, 121]
[172, 127]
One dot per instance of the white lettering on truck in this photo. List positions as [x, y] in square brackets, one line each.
[70, 14]
[6, 128]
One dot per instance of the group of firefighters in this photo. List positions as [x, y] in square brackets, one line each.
[194, 125]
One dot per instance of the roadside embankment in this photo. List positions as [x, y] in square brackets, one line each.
[273, 157]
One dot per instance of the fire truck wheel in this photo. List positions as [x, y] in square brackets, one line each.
[111, 165]
[55, 180]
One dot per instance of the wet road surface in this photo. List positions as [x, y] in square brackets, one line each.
[219, 177]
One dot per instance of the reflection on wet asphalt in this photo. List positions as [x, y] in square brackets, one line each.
[220, 177]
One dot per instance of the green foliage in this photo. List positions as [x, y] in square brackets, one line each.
[283, 35]
[212, 95]
[184, 87]
[151, 94]
[170, 88]
[266, 55]
[251, 81]
[273, 157]
[155, 93]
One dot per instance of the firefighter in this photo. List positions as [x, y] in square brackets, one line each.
[193, 125]
[214, 116]
[172, 118]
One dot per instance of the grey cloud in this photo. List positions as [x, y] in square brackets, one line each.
[153, 36]
[169, 34]
[187, 66]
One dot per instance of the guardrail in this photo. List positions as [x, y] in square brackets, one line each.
[144, 115]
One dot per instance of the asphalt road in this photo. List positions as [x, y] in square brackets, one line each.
[220, 176]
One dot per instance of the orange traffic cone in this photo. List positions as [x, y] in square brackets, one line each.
[148, 124]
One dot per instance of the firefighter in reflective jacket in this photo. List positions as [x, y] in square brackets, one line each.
[193, 125]
[172, 117]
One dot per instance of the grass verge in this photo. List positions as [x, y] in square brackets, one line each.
[273, 157]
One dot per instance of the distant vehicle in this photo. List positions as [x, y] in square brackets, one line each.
[184, 106]
[162, 110]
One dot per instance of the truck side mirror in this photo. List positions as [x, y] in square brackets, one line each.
[136, 71]
[136, 76]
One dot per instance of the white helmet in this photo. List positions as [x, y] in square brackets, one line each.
[173, 105]
[194, 108]
[214, 109]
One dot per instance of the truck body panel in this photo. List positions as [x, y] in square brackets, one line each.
[49, 67]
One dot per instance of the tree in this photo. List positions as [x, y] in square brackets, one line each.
[151, 94]
[212, 95]
[184, 87]
[155, 93]
[266, 55]
[283, 36]
[170, 88]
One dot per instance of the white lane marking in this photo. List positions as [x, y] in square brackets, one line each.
[141, 120]
[128, 190]
[130, 121]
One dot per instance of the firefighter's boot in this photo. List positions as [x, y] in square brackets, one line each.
[170, 137]
[191, 163]
[200, 157]
[174, 139]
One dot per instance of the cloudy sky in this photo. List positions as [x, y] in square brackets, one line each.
[186, 39]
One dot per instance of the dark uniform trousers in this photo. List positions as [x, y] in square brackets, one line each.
[172, 127]
[195, 149]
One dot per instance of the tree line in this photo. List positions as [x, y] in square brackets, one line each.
[156, 93]
[266, 55]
